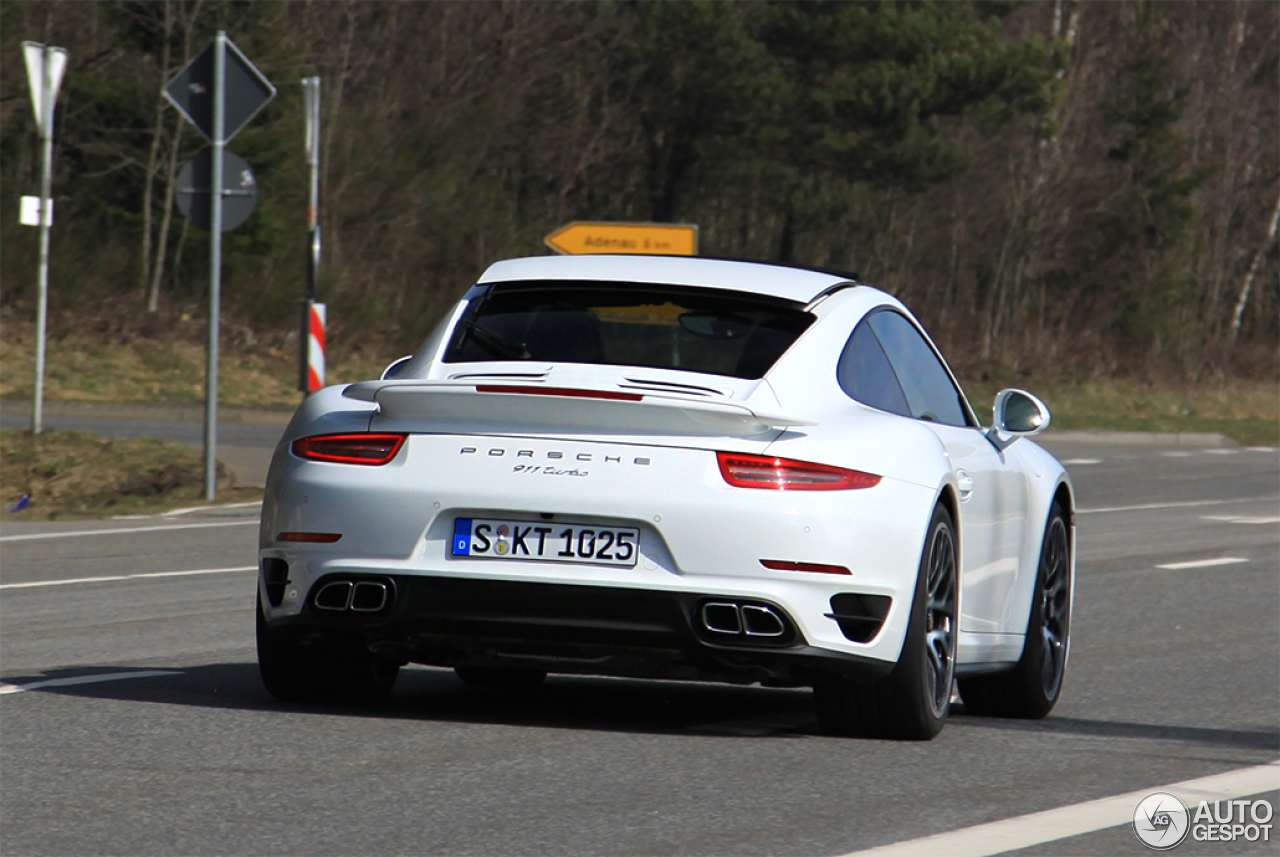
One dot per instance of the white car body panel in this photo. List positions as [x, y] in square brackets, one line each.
[992, 493]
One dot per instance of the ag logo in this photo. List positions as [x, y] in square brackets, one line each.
[1161, 821]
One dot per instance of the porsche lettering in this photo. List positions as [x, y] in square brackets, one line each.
[556, 455]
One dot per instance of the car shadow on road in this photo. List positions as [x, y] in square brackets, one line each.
[1077, 726]
[562, 702]
[581, 702]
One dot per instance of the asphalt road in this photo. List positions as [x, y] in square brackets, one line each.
[1174, 675]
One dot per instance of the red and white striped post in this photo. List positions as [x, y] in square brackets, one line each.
[315, 347]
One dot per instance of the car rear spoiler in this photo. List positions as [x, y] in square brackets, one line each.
[453, 406]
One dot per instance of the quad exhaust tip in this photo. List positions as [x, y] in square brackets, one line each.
[750, 620]
[359, 596]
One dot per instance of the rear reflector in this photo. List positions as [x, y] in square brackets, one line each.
[325, 538]
[787, 565]
[783, 474]
[365, 448]
[559, 391]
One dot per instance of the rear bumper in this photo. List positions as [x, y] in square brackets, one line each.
[699, 536]
[597, 630]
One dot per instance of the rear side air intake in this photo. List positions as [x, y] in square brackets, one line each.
[275, 577]
[860, 617]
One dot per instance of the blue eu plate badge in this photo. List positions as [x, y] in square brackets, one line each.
[462, 537]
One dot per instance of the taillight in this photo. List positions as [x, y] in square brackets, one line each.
[784, 474]
[373, 449]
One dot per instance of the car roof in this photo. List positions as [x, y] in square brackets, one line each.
[779, 281]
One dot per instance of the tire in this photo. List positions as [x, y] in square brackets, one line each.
[913, 701]
[334, 672]
[1031, 689]
[508, 677]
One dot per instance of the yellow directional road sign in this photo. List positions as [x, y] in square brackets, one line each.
[665, 239]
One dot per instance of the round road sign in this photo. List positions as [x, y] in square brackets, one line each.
[239, 190]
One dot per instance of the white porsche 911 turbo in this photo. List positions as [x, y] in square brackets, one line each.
[681, 468]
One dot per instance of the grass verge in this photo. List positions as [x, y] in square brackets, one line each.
[1245, 411]
[76, 474]
[171, 370]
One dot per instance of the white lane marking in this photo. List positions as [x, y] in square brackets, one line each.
[1241, 519]
[1178, 454]
[1187, 505]
[1026, 831]
[1079, 461]
[27, 537]
[82, 679]
[1261, 449]
[1202, 563]
[113, 577]
[1222, 452]
[172, 513]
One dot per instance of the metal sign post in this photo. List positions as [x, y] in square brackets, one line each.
[45, 66]
[311, 342]
[219, 92]
[215, 265]
[311, 89]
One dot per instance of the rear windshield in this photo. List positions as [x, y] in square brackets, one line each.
[626, 324]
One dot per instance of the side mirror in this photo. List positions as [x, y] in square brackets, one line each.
[396, 367]
[1017, 414]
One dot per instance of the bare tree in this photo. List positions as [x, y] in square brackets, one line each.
[1243, 300]
[175, 144]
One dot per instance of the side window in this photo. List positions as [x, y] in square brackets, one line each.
[865, 374]
[930, 392]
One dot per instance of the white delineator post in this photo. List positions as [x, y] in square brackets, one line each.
[45, 66]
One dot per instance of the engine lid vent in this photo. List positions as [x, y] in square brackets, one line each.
[656, 386]
[499, 376]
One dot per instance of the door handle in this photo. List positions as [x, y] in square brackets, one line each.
[965, 483]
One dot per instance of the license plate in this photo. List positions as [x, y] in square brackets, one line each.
[545, 542]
